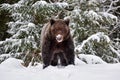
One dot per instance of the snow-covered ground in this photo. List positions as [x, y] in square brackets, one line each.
[11, 69]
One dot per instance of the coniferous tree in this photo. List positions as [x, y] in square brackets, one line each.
[25, 28]
[91, 24]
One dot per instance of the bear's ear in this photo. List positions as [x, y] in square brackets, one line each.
[67, 21]
[52, 21]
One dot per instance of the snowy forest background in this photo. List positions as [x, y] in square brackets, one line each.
[95, 27]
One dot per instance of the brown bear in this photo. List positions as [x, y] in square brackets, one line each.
[57, 43]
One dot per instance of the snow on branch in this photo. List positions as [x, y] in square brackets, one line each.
[111, 7]
[61, 5]
[39, 4]
[99, 44]
[92, 15]
[5, 6]
[95, 37]
[115, 51]
[109, 17]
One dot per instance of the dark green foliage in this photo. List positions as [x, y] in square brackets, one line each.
[4, 19]
[8, 1]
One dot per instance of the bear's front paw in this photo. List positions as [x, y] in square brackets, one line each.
[54, 63]
[44, 66]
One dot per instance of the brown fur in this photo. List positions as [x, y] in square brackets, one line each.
[51, 49]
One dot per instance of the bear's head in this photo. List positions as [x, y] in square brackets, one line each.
[59, 29]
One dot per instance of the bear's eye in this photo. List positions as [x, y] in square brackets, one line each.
[54, 30]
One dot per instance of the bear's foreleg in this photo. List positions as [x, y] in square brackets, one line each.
[54, 60]
[46, 55]
[63, 59]
[69, 52]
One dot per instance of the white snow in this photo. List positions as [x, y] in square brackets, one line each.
[11, 69]
[91, 59]
[92, 15]
[41, 3]
[31, 25]
[61, 4]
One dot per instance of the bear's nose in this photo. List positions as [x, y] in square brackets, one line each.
[59, 38]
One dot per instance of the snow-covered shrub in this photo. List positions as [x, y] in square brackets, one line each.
[99, 44]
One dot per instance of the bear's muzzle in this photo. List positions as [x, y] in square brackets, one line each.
[59, 38]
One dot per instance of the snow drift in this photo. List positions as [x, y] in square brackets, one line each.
[11, 69]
